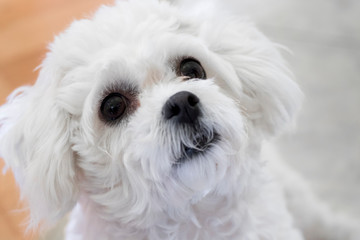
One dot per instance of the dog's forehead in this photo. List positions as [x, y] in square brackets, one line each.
[127, 43]
[147, 59]
[124, 23]
[150, 32]
[138, 72]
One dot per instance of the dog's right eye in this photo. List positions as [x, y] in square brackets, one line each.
[113, 106]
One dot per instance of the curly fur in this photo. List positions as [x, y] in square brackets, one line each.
[122, 181]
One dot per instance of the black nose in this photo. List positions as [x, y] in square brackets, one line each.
[182, 107]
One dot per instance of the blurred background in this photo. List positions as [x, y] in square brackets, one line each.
[324, 39]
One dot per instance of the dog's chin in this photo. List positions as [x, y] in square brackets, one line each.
[197, 171]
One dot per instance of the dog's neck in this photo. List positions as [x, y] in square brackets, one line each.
[215, 211]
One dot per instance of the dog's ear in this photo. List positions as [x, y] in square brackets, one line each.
[35, 143]
[264, 88]
[251, 66]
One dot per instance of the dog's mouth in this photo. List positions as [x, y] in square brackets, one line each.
[201, 144]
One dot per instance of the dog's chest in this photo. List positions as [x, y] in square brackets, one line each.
[246, 218]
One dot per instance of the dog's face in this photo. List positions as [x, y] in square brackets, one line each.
[147, 107]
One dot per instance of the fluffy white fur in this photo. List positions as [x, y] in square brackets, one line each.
[122, 181]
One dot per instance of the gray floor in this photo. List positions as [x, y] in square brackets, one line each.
[324, 37]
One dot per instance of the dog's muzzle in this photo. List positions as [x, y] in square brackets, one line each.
[202, 145]
[183, 109]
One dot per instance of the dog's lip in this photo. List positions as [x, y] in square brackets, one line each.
[202, 146]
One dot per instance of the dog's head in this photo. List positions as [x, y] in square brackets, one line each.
[145, 107]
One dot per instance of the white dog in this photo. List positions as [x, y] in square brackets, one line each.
[148, 122]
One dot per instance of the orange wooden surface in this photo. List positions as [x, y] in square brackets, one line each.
[26, 27]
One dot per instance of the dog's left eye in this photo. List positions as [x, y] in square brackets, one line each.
[191, 68]
[113, 106]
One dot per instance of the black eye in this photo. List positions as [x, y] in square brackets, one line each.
[113, 106]
[191, 68]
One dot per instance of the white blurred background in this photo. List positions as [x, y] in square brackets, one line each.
[324, 38]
